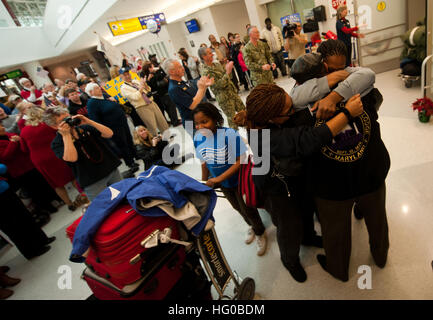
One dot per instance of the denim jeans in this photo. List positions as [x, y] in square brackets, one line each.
[94, 189]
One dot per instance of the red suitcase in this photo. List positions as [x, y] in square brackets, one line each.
[110, 274]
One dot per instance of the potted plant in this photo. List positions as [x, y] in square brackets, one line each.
[424, 107]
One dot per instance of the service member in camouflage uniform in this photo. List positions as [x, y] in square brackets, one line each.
[223, 88]
[258, 59]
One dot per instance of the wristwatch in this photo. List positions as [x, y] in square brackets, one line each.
[347, 114]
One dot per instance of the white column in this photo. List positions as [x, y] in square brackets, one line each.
[32, 69]
[257, 13]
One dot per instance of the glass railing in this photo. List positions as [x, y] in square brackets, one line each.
[26, 13]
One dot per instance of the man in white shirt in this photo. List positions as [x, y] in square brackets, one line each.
[272, 34]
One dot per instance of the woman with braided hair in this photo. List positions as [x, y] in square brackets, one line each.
[269, 107]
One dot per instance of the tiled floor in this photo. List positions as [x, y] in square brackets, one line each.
[408, 274]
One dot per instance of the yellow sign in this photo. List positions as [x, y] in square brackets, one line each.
[381, 6]
[125, 26]
[112, 87]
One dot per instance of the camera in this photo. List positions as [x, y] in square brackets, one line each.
[151, 94]
[289, 30]
[72, 122]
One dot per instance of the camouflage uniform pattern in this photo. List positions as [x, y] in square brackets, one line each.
[255, 57]
[224, 90]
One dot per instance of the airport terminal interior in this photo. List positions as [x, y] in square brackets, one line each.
[54, 41]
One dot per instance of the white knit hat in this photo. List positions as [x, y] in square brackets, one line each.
[13, 97]
[22, 80]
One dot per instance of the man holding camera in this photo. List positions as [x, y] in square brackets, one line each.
[295, 41]
[139, 95]
[82, 143]
[274, 37]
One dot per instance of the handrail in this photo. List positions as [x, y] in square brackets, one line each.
[372, 55]
[367, 44]
[423, 74]
[397, 25]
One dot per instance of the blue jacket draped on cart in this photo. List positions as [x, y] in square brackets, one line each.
[155, 183]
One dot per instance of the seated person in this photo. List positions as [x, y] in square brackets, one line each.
[150, 149]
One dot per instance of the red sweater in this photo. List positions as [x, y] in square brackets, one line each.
[350, 31]
[17, 161]
[26, 94]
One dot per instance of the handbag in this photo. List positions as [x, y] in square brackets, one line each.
[246, 186]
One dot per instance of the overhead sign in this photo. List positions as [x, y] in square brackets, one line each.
[112, 87]
[159, 17]
[292, 18]
[126, 26]
[11, 75]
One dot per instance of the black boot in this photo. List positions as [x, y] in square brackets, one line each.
[38, 252]
[297, 271]
[322, 261]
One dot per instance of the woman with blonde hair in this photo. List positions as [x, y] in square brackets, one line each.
[36, 138]
[150, 149]
[114, 72]
[345, 32]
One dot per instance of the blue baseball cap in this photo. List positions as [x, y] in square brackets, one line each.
[123, 70]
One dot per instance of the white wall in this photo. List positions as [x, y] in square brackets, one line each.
[207, 27]
[146, 40]
[91, 13]
[59, 14]
[257, 13]
[178, 38]
[231, 17]
[24, 44]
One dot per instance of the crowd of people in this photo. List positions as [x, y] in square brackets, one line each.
[324, 140]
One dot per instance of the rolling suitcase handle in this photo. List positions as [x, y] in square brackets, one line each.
[152, 241]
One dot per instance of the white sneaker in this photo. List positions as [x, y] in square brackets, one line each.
[261, 244]
[250, 236]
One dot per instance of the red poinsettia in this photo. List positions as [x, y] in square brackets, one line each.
[424, 104]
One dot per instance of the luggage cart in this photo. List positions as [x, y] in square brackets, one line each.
[219, 270]
[217, 267]
[215, 263]
[161, 248]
